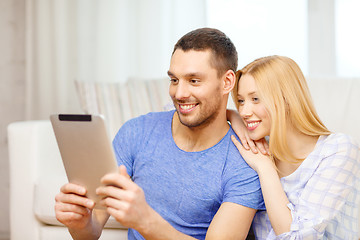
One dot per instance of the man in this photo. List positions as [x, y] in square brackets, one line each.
[187, 178]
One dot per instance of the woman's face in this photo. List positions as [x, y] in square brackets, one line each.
[251, 109]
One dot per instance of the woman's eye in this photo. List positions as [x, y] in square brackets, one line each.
[240, 101]
[255, 99]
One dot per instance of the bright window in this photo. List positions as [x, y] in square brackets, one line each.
[347, 31]
[261, 27]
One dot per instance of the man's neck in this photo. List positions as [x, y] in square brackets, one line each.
[199, 138]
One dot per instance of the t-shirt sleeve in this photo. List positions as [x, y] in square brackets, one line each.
[241, 183]
[126, 143]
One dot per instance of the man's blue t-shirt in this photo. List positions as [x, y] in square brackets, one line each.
[185, 188]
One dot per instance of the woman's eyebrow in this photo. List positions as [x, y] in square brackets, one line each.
[250, 93]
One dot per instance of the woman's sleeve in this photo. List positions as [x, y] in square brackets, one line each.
[326, 194]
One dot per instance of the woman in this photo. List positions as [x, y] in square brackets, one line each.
[310, 176]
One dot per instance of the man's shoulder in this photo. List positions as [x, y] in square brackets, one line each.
[241, 182]
[143, 125]
[150, 118]
[233, 152]
[233, 159]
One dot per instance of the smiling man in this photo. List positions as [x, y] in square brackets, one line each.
[195, 88]
[182, 177]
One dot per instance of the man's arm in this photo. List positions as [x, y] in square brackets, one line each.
[94, 228]
[232, 221]
[77, 213]
[125, 201]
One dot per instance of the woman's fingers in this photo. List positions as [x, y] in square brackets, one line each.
[240, 147]
[244, 142]
[263, 146]
[252, 145]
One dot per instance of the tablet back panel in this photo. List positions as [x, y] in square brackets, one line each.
[85, 149]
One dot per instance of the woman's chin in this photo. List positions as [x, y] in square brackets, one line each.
[256, 137]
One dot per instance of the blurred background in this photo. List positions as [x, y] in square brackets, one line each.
[45, 45]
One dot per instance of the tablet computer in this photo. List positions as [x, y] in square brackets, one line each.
[85, 149]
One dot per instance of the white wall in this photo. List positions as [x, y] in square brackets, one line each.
[131, 38]
[12, 90]
[321, 29]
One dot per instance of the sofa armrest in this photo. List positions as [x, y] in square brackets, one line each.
[23, 144]
[36, 175]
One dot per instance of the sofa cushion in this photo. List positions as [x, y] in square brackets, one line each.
[60, 233]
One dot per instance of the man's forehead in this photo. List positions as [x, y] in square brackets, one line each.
[205, 51]
[194, 57]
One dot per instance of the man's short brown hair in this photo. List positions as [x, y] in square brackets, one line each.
[224, 54]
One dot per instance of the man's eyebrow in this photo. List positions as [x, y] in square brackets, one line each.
[193, 74]
[187, 75]
[170, 74]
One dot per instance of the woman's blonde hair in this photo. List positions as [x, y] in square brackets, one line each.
[283, 90]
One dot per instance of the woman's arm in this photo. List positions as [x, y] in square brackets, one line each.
[275, 199]
[274, 196]
[327, 183]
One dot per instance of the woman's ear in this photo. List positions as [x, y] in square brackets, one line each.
[229, 81]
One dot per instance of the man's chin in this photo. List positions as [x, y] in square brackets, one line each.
[188, 123]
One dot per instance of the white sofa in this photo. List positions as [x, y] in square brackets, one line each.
[36, 170]
[36, 175]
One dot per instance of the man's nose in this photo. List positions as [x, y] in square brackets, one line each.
[182, 90]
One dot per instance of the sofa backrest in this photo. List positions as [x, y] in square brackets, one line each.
[337, 101]
[119, 102]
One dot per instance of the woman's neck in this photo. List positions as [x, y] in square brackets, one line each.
[300, 145]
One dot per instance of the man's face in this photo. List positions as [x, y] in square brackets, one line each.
[195, 88]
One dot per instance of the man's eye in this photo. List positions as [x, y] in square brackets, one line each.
[173, 80]
[195, 81]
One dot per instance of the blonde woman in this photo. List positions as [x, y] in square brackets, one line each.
[310, 176]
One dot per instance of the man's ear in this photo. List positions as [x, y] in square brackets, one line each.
[229, 81]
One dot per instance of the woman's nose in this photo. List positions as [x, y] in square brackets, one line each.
[245, 110]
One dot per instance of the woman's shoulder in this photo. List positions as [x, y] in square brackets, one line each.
[339, 146]
[339, 140]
